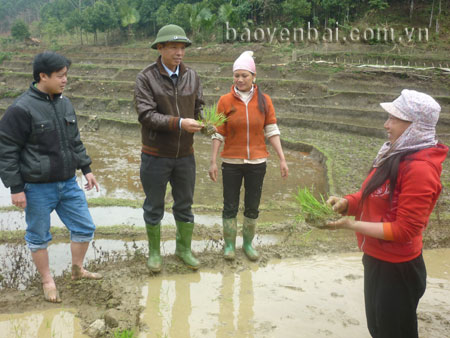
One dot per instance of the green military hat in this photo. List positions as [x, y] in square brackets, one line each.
[171, 33]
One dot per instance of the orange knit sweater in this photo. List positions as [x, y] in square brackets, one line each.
[244, 129]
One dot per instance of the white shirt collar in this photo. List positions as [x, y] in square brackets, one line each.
[176, 72]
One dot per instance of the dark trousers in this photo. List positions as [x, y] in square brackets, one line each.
[392, 292]
[232, 175]
[155, 173]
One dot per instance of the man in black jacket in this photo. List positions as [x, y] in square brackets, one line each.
[168, 99]
[40, 151]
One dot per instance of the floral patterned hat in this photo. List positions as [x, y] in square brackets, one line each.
[414, 106]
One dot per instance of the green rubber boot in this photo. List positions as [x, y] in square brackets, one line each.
[229, 236]
[248, 232]
[154, 258]
[183, 247]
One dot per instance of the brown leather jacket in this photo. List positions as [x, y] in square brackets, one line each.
[160, 104]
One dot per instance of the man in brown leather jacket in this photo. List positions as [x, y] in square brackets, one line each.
[168, 100]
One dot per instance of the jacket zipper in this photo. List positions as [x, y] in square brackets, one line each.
[248, 123]
[248, 131]
[178, 111]
[63, 144]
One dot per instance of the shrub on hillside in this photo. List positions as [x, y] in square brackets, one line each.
[19, 30]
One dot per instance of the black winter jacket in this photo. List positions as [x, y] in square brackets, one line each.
[40, 141]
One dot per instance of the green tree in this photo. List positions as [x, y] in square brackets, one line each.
[102, 17]
[202, 21]
[181, 15]
[52, 29]
[378, 4]
[226, 13]
[19, 30]
[162, 16]
[58, 9]
[128, 15]
[75, 21]
[147, 11]
[243, 10]
[295, 11]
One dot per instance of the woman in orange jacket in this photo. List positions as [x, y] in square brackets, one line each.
[250, 119]
[391, 212]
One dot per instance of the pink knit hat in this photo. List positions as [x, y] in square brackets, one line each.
[245, 62]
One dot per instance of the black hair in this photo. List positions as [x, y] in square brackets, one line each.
[262, 103]
[48, 63]
[388, 170]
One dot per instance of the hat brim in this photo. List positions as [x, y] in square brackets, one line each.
[393, 110]
[154, 45]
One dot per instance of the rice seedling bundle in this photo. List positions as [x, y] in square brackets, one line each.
[313, 211]
[211, 119]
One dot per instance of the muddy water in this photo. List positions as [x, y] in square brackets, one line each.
[104, 216]
[60, 257]
[318, 297]
[60, 323]
[116, 161]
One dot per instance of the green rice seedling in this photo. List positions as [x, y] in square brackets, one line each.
[124, 334]
[211, 119]
[315, 212]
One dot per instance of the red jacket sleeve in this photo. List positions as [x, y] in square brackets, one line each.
[419, 188]
[353, 203]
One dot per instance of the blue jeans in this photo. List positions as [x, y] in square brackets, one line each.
[155, 173]
[69, 201]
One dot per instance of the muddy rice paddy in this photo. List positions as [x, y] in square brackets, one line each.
[302, 283]
[307, 283]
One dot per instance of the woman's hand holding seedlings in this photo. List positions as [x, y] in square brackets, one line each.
[340, 205]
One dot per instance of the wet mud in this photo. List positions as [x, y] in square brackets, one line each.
[317, 295]
[308, 282]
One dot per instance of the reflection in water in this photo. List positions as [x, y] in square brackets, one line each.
[5, 196]
[51, 323]
[60, 259]
[182, 307]
[317, 297]
[102, 216]
[279, 300]
[116, 162]
[246, 303]
[226, 313]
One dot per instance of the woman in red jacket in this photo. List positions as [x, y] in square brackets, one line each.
[250, 119]
[391, 212]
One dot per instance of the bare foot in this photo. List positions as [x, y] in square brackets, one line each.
[80, 273]
[51, 294]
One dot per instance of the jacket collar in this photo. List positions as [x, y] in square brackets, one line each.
[233, 91]
[41, 95]
[182, 68]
